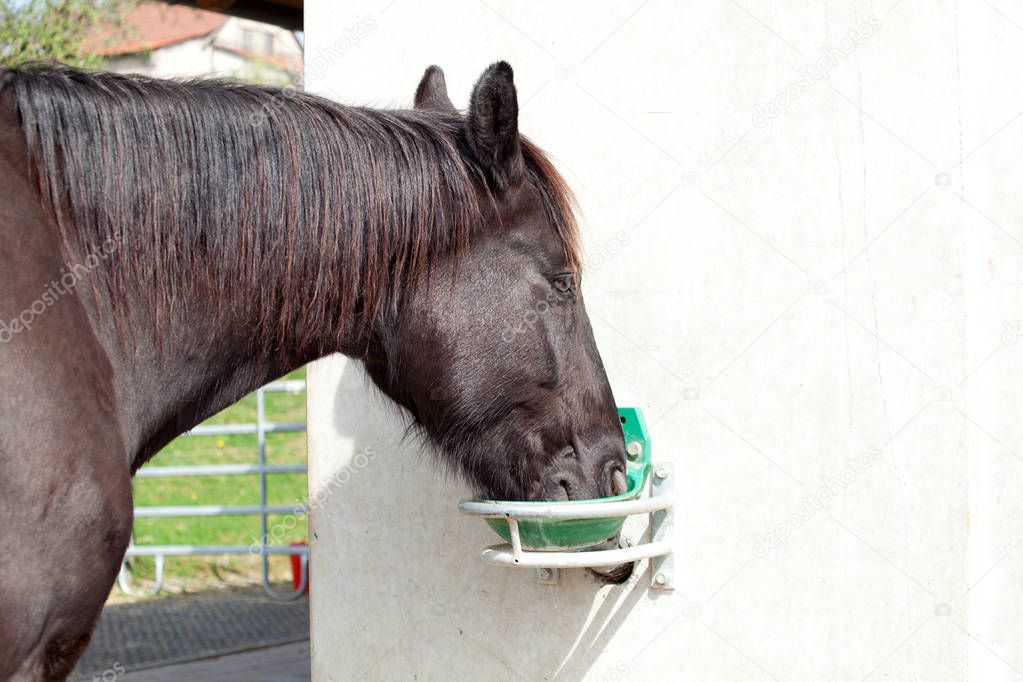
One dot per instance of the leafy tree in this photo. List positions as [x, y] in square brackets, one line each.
[53, 29]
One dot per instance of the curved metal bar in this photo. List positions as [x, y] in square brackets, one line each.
[565, 510]
[504, 555]
[290, 595]
[124, 580]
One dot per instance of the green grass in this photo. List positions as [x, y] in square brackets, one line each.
[285, 489]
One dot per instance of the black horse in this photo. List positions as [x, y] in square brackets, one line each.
[167, 247]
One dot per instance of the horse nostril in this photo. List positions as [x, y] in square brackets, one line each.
[619, 484]
[613, 479]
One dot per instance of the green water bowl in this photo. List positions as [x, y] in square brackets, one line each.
[551, 535]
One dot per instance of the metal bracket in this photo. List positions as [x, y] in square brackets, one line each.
[662, 528]
[548, 576]
[547, 564]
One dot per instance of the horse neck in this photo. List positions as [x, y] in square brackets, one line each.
[170, 375]
[192, 318]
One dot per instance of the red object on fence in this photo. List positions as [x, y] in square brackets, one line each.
[296, 568]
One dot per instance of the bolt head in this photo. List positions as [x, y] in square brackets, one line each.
[661, 579]
[661, 472]
[634, 449]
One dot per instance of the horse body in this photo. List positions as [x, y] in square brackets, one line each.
[155, 267]
[79, 410]
[65, 492]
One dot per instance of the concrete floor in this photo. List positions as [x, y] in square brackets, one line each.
[285, 663]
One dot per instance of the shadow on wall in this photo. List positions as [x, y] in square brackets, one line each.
[397, 579]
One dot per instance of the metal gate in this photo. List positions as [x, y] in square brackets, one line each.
[261, 427]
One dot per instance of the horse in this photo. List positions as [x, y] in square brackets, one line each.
[168, 246]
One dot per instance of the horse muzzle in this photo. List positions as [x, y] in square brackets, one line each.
[588, 533]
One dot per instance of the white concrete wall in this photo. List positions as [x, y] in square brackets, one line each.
[782, 293]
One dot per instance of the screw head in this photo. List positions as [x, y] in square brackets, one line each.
[634, 449]
[661, 472]
[661, 579]
[543, 573]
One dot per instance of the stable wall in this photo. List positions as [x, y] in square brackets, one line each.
[804, 264]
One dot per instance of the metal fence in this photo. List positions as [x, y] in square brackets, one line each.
[261, 427]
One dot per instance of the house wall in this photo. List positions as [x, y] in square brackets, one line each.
[815, 301]
[232, 34]
[221, 54]
[186, 59]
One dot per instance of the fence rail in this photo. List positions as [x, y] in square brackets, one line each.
[260, 429]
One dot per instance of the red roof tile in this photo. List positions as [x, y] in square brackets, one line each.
[151, 25]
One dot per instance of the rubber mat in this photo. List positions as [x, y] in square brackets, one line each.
[159, 632]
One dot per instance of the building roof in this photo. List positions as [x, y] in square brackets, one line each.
[287, 14]
[152, 25]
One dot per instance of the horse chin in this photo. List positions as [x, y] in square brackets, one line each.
[613, 575]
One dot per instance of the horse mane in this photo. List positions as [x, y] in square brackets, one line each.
[207, 186]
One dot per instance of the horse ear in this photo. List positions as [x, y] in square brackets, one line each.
[432, 92]
[492, 126]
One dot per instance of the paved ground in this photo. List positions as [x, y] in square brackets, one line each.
[287, 663]
[167, 632]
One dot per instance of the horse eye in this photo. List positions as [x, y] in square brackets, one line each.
[564, 284]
